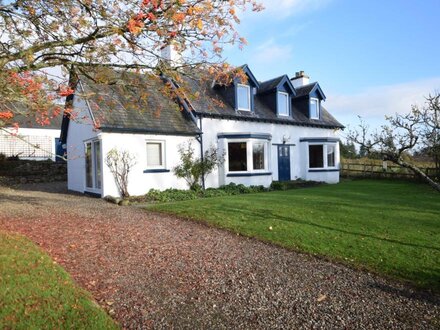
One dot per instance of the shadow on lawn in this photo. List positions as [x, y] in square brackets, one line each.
[408, 293]
[268, 214]
[19, 199]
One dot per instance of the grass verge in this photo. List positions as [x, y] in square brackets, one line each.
[389, 227]
[36, 293]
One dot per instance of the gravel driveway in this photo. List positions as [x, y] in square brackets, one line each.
[156, 271]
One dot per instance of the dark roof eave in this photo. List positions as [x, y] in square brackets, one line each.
[112, 129]
[267, 120]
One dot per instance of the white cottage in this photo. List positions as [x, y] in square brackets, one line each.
[276, 130]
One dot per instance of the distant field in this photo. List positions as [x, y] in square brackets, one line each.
[390, 227]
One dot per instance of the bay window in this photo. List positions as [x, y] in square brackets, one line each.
[237, 156]
[247, 156]
[330, 155]
[322, 156]
[316, 159]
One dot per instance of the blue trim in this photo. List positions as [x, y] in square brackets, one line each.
[261, 136]
[251, 76]
[284, 144]
[318, 89]
[325, 170]
[248, 174]
[159, 170]
[289, 83]
[319, 140]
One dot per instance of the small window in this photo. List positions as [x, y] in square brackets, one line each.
[316, 156]
[314, 109]
[237, 156]
[155, 157]
[243, 97]
[258, 155]
[330, 155]
[283, 104]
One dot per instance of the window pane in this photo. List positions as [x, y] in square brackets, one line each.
[237, 156]
[97, 150]
[89, 169]
[258, 156]
[314, 108]
[316, 158]
[154, 154]
[283, 104]
[243, 97]
[330, 155]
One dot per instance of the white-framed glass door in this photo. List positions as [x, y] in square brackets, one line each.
[93, 165]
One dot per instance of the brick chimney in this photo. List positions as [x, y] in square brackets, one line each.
[300, 79]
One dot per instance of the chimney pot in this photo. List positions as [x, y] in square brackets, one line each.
[300, 79]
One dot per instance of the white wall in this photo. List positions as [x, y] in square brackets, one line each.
[80, 130]
[292, 134]
[13, 144]
[140, 183]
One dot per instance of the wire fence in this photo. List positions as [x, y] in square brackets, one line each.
[30, 146]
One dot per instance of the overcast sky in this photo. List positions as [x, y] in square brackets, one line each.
[371, 58]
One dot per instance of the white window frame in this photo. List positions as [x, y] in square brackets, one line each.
[248, 88]
[249, 155]
[94, 160]
[288, 105]
[324, 155]
[318, 108]
[162, 149]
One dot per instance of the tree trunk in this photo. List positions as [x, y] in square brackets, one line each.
[419, 172]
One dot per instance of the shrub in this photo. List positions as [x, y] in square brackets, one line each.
[175, 195]
[195, 169]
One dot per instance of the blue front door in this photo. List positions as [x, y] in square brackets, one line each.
[283, 163]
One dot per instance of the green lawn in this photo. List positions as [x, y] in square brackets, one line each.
[36, 293]
[389, 227]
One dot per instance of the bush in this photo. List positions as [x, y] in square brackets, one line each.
[286, 185]
[175, 195]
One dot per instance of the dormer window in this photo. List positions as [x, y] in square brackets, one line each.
[243, 97]
[314, 108]
[283, 104]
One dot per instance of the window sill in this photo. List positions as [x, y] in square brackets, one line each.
[324, 170]
[249, 174]
[157, 170]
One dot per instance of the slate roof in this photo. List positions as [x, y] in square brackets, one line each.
[121, 107]
[126, 108]
[269, 84]
[305, 90]
[214, 102]
[24, 119]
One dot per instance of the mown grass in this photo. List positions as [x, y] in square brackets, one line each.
[36, 293]
[389, 227]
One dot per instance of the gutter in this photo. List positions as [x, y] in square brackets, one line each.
[186, 105]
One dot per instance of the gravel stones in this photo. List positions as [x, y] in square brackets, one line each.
[154, 271]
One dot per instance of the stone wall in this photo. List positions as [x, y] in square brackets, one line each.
[29, 171]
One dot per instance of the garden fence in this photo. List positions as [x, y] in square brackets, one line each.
[381, 170]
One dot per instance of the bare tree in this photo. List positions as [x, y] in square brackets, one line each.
[120, 163]
[408, 132]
